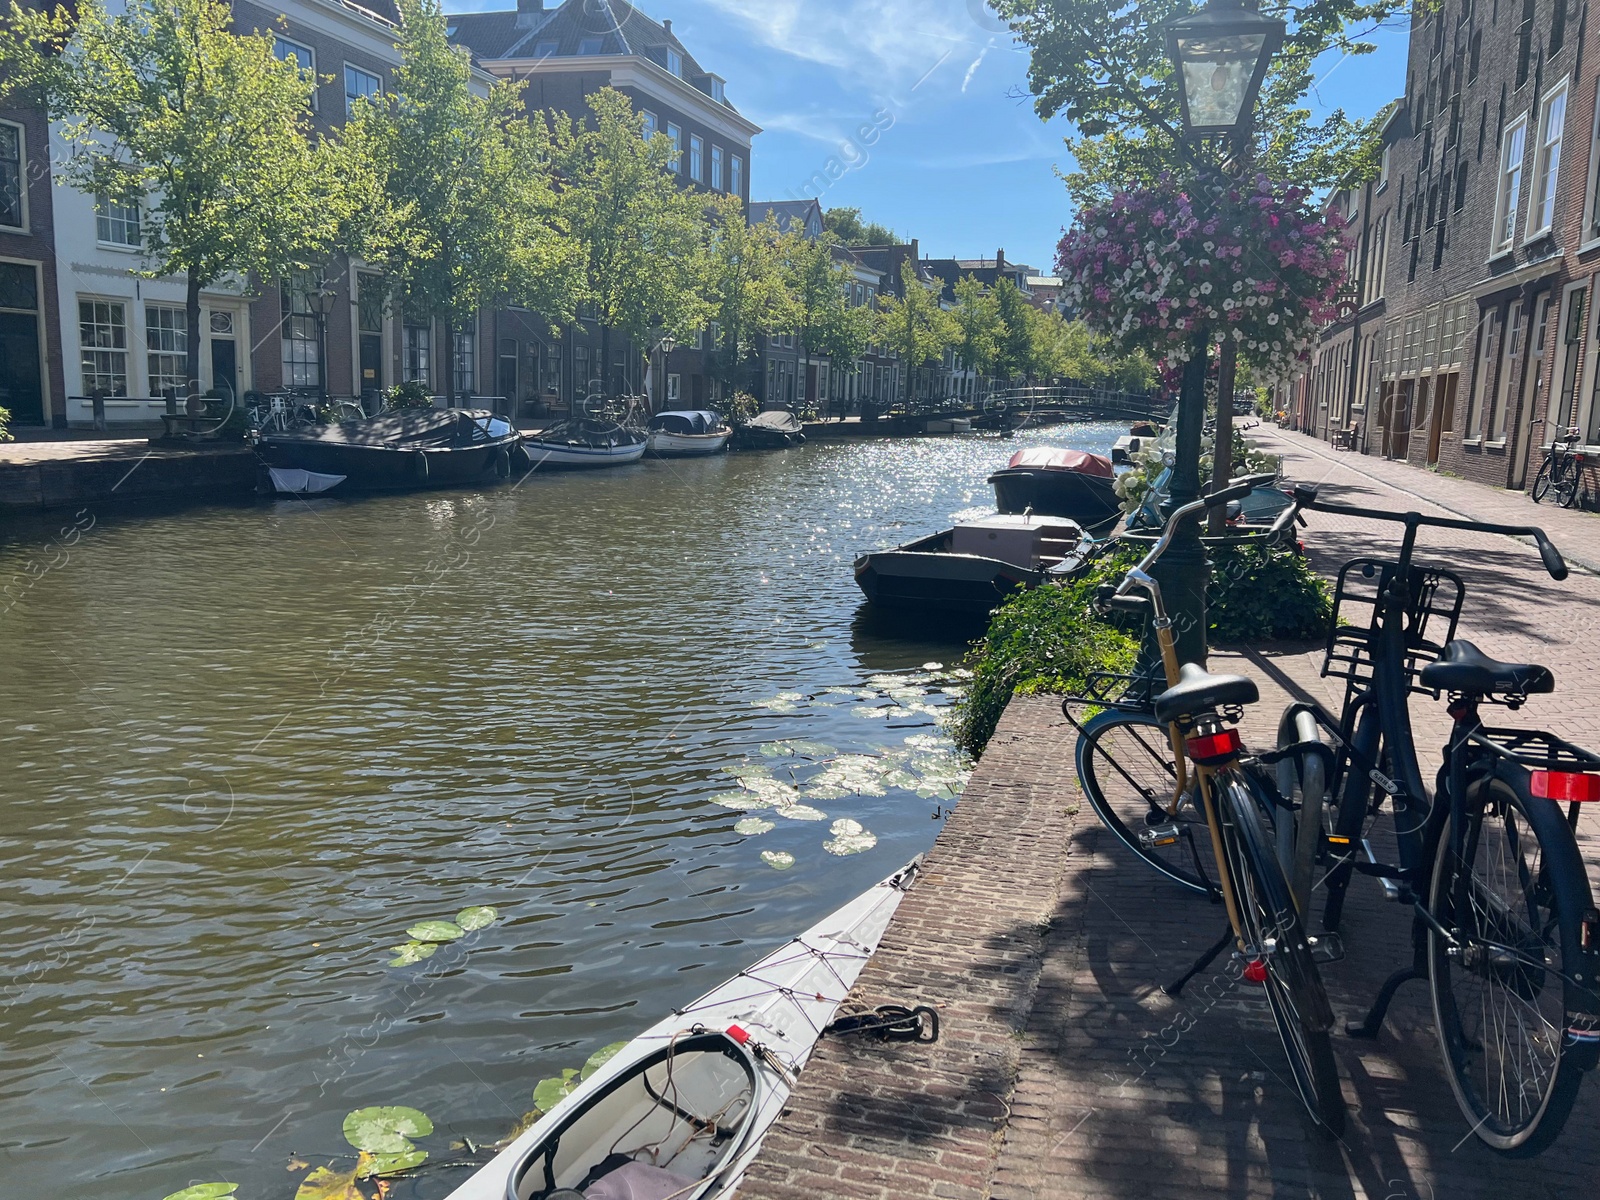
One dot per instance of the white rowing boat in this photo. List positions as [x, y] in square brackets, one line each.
[680, 1111]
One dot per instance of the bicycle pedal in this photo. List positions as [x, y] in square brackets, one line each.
[1159, 835]
[1326, 947]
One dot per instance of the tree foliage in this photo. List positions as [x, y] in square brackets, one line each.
[819, 312]
[744, 286]
[846, 225]
[978, 326]
[914, 325]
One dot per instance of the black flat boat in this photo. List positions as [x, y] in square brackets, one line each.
[394, 451]
[1058, 483]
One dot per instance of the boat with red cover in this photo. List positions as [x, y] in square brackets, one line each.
[1055, 482]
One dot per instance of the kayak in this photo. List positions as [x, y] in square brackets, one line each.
[679, 1112]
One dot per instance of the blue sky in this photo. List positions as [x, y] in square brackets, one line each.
[962, 163]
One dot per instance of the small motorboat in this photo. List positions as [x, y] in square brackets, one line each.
[583, 442]
[971, 568]
[770, 431]
[1057, 483]
[394, 451]
[949, 425]
[687, 434]
[680, 1111]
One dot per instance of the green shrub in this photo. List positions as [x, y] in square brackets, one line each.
[410, 394]
[5, 420]
[1261, 592]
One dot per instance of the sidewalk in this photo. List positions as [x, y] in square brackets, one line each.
[1063, 1073]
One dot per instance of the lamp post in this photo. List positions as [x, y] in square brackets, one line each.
[1220, 55]
[666, 344]
[322, 298]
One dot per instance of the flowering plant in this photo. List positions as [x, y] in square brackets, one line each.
[1156, 268]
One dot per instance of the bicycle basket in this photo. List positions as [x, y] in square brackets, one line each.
[1127, 693]
[1433, 608]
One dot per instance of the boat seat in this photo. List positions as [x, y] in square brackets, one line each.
[1465, 669]
[1197, 690]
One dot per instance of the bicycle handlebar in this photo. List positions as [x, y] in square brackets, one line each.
[1236, 491]
[1305, 495]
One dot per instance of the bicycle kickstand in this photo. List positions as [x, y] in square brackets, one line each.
[1205, 960]
[1370, 1027]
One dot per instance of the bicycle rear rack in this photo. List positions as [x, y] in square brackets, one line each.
[1435, 595]
[1536, 750]
[1126, 693]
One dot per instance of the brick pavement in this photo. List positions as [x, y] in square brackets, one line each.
[1063, 1071]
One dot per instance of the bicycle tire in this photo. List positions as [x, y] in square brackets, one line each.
[1555, 901]
[1543, 482]
[1352, 817]
[1569, 483]
[1272, 926]
[1302, 780]
[1125, 768]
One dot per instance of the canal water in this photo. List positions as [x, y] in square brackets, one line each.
[243, 749]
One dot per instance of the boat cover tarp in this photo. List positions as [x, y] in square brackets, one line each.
[686, 422]
[293, 482]
[638, 1181]
[779, 421]
[586, 431]
[1051, 458]
[412, 427]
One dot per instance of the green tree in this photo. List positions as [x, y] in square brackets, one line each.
[468, 189]
[819, 310]
[978, 325]
[167, 108]
[642, 239]
[1014, 352]
[846, 225]
[1106, 69]
[744, 285]
[914, 326]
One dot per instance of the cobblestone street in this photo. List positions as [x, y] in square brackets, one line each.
[1063, 1072]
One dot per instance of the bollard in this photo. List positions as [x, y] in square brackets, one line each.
[97, 404]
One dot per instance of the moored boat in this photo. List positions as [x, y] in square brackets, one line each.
[583, 442]
[1057, 483]
[971, 568]
[394, 451]
[686, 434]
[770, 431]
[680, 1111]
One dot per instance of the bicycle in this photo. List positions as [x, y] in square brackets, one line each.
[1200, 710]
[1561, 472]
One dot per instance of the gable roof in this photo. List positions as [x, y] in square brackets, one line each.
[788, 212]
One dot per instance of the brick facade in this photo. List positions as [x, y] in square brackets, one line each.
[32, 385]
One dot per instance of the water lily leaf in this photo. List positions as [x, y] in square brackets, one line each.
[389, 1164]
[773, 791]
[479, 916]
[435, 931]
[205, 1191]
[783, 702]
[868, 713]
[777, 749]
[849, 838]
[387, 1129]
[600, 1058]
[744, 771]
[411, 953]
[778, 860]
[801, 812]
[550, 1092]
[327, 1184]
[804, 749]
[933, 666]
[740, 801]
[751, 826]
[851, 775]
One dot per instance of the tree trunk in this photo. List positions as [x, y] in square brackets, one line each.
[805, 374]
[191, 365]
[1222, 450]
[449, 363]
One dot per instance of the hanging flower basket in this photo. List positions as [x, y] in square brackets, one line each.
[1254, 262]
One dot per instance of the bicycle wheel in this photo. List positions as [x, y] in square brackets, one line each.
[1568, 483]
[1542, 484]
[1503, 994]
[1277, 941]
[1125, 767]
[1302, 779]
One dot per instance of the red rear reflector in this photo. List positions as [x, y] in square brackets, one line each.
[738, 1034]
[1565, 786]
[1255, 971]
[1215, 746]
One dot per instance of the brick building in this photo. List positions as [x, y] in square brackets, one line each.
[32, 385]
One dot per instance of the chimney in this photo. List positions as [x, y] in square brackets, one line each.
[667, 25]
[1000, 261]
[527, 10]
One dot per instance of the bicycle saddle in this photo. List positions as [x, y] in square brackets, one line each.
[1198, 690]
[1466, 669]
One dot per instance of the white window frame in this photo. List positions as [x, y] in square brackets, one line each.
[675, 136]
[697, 157]
[113, 352]
[717, 171]
[674, 387]
[161, 359]
[675, 62]
[22, 179]
[1547, 164]
[279, 42]
[349, 98]
[1508, 199]
[735, 174]
[599, 44]
[1383, 169]
[106, 219]
[465, 361]
[719, 90]
[651, 125]
[416, 352]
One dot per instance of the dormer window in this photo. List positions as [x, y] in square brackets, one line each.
[546, 49]
[675, 62]
[717, 91]
[591, 45]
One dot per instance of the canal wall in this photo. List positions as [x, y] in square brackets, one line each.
[42, 475]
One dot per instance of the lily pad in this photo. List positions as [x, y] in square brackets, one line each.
[868, 713]
[801, 812]
[751, 826]
[550, 1092]
[849, 838]
[390, 1164]
[205, 1191]
[600, 1058]
[745, 771]
[435, 931]
[327, 1184]
[387, 1129]
[777, 749]
[740, 801]
[803, 749]
[851, 775]
[783, 702]
[773, 791]
[479, 916]
[778, 860]
[410, 953]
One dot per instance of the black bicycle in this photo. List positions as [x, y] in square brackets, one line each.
[1561, 472]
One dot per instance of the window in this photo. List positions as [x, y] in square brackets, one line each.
[1383, 169]
[359, 85]
[719, 91]
[675, 62]
[1510, 368]
[1558, 29]
[1510, 187]
[301, 362]
[675, 136]
[417, 366]
[466, 344]
[716, 167]
[736, 175]
[115, 223]
[546, 49]
[1525, 42]
[697, 154]
[166, 342]
[370, 300]
[649, 124]
[674, 386]
[13, 213]
[103, 339]
[1548, 163]
[300, 56]
[591, 45]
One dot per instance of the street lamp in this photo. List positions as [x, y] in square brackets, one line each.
[1220, 55]
[322, 299]
[666, 343]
